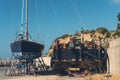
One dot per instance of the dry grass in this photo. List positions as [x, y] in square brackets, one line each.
[55, 77]
[102, 77]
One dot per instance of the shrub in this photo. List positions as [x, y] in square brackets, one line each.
[107, 35]
[65, 35]
[118, 16]
[117, 32]
[92, 31]
[102, 30]
[100, 38]
[87, 31]
[118, 26]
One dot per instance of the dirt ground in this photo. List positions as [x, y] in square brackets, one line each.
[102, 77]
[56, 77]
[41, 77]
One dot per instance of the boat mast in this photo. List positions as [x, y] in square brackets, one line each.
[26, 32]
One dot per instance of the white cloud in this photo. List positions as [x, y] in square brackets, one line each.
[116, 1]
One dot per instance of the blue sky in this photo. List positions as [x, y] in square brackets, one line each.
[52, 18]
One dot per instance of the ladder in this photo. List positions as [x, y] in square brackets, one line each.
[42, 65]
[14, 68]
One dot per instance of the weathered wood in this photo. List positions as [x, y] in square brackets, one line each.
[79, 64]
[114, 56]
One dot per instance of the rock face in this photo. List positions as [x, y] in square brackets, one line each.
[87, 36]
[114, 56]
[62, 41]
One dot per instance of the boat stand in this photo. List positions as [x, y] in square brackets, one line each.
[19, 66]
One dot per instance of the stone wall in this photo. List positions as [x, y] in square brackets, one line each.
[114, 56]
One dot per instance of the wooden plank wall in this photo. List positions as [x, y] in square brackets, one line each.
[114, 56]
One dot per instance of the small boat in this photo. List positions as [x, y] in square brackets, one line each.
[25, 47]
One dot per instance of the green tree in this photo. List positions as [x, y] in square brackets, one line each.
[100, 38]
[102, 30]
[107, 35]
[63, 36]
[118, 16]
[118, 26]
[86, 31]
[117, 32]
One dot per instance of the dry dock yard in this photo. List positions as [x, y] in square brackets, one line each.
[52, 76]
[91, 67]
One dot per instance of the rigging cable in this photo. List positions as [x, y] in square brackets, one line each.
[21, 28]
[37, 21]
[22, 13]
[59, 23]
[37, 18]
[74, 5]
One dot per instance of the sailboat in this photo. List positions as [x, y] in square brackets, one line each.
[25, 47]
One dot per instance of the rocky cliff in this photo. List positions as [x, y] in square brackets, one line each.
[87, 35]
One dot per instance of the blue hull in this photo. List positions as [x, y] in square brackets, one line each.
[27, 47]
